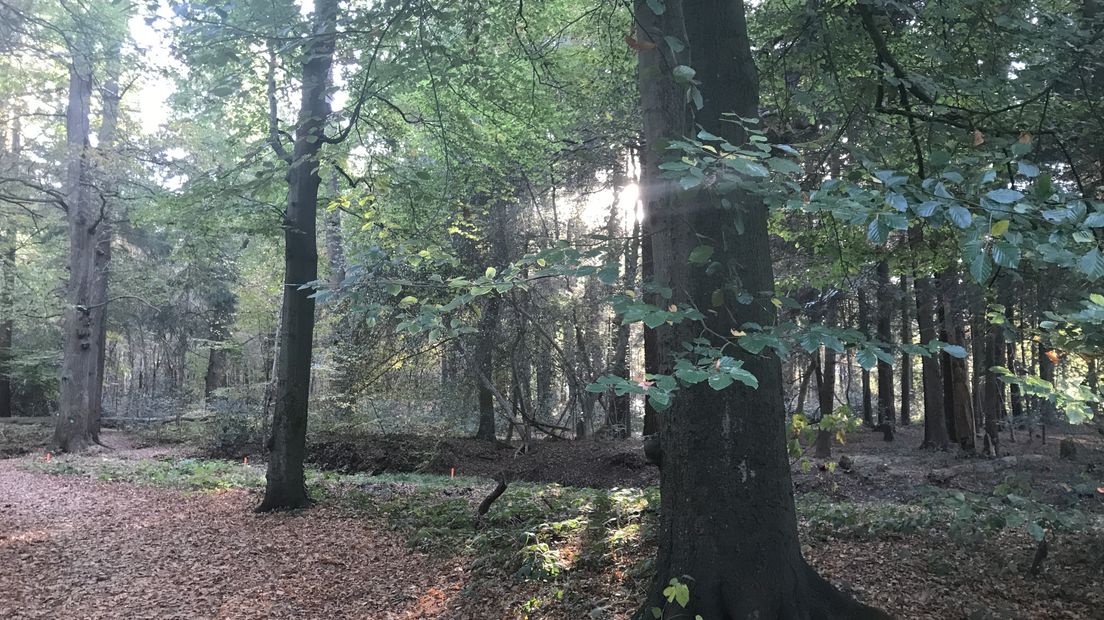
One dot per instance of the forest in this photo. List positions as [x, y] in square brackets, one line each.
[552, 309]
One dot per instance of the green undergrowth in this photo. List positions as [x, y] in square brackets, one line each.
[542, 531]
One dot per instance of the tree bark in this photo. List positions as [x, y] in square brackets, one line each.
[728, 527]
[7, 323]
[886, 306]
[826, 385]
[906, 359]
[484, 360]
[652, 417]
[78, 409]
[935, 426]
[286, 487]
[864, 327]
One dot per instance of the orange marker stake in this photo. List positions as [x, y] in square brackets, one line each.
[452, 472]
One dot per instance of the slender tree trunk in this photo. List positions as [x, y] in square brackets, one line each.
[826, 386]
[622, 405]
[286, 487]
[906, 359]
[7, 322]
[8, 243]
[886, 306]
[484, 360]
[342, 385]
[728, 527]
[864, 327]
[652, 417]
[956, 382]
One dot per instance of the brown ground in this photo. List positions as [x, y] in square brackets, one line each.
[77, 548]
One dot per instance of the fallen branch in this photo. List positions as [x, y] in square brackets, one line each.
[485, 505]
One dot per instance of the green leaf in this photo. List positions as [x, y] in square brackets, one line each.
[866, 359]
[674, 43]
[960, 216]
[409, 300]
[1006, 254]
[1036, 531]
[701, 254]
[955, 351]
[683, 74]
[1004, 196]
[491, 272]
[1095, 220]
[1092, 264]
[877, 232]
[1027, 169]
[657, 6]
[689, 182]
[719, 381]
[980, 268]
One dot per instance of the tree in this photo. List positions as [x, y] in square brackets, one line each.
[728, 523]
[285, 486]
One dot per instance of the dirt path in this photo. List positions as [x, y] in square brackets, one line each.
[81, 549]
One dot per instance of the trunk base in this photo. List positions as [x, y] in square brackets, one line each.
[810, 597]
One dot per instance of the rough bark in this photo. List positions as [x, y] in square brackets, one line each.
[484, 360]
[864, 327]
[906, 359]
[886, 307]
[647, 275]
[956, 381]
[78, 410]
[286, 487]
[728, 527]
[935, 427]
[826, 386]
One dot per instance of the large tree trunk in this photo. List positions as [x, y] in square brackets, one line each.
[935, 426]
[286, 487]
[728, 527]
[78, 407]
[956, 381]
[886, 308]
[906, 359]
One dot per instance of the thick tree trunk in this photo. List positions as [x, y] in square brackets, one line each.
[78, 408]
[956, 381]
[728, 527]
[935, 426]
[906, 359]
[286, 487]
[886, 307]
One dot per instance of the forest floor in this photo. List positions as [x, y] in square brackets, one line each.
[144, 531]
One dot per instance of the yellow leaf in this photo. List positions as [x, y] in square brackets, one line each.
[999, 228]
[672, 308]
[737, 333]
[777, 302]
